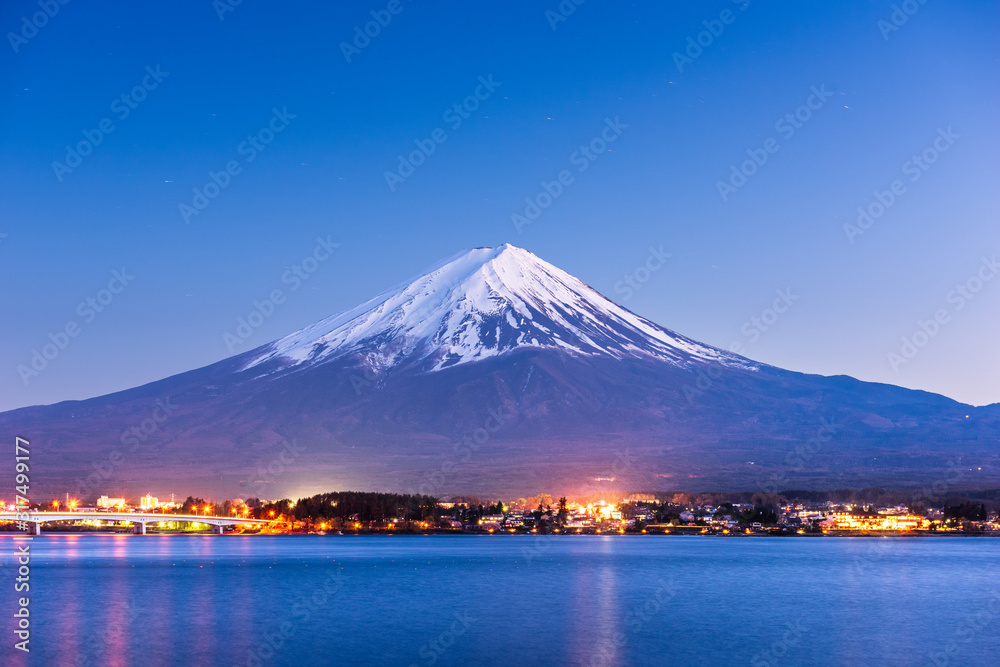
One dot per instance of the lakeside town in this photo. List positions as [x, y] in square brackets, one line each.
[845, 512]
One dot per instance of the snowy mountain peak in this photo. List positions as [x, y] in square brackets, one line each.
[482, 303]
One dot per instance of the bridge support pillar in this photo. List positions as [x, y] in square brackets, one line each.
[139, 527]
[217, 530]
[34, 528]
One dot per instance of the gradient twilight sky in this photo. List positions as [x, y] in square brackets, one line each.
[323, 174]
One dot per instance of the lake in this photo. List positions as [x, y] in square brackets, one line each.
[506, 600]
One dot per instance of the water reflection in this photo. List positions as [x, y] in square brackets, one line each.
[596, 618]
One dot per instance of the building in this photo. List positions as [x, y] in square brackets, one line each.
[877, 521]
[148, 502]
[110, 503]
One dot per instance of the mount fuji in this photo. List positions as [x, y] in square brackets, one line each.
[496, 373]
[480, 304]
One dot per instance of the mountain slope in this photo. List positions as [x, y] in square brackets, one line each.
[482, 303]
[497, 373]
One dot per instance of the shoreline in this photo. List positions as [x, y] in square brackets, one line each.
[428, 533]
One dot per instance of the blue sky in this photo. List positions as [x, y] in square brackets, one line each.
[200, 90]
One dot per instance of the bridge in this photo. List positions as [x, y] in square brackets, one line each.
[137, 519]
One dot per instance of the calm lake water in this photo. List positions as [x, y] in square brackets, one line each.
[506, 600]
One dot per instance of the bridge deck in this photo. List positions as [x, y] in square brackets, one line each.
[139, 519]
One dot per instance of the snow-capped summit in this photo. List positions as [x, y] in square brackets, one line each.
[482, 303]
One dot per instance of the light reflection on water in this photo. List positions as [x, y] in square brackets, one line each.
[395, 600]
